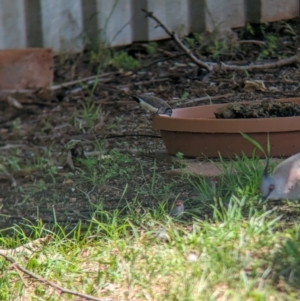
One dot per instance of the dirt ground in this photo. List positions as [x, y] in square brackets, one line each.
[51, 130]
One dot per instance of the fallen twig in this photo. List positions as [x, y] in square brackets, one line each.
[255, 42]
[132, 135]
[112, 136]
[290, 60]
[53, 285]
[13, 265]
[82, 80]
[9, 146]
[125, 102]
[151, 81]
[209, 98]
[147, 82]
[210, 66]
[90, 137]
[119, 102]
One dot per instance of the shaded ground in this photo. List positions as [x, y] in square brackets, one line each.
[62, 154]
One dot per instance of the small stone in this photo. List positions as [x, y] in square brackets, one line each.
[199, 169]
[192, 257]
[163, 157]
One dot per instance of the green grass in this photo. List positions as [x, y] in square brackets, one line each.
[227, 246]
[243, 250]
[237, 258]
[151, 48]
[123, 60]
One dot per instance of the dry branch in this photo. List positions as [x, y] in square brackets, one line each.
[210, 66]
[82, 80]
[205, 98]
[60, 289]
[146, 82]
[279, 63]
[175, 37]
[255, 42]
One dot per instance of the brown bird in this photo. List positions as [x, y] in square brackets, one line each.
[178, 208]
[285, 181]
[153, 104]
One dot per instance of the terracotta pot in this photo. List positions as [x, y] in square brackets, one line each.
[196, 132]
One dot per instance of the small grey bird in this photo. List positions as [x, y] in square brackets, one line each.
[178, 208]
[153, 104]
[285, 181]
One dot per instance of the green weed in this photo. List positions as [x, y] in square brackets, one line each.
[151, 48]
[122, 60]
[270, 47]
[235, 256]
[114, 164]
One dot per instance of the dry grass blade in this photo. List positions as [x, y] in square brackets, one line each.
[53, 285]
[82, 80]
[210, 98]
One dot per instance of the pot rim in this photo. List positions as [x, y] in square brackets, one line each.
[213, 125]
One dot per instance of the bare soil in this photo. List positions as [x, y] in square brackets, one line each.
[50, 126]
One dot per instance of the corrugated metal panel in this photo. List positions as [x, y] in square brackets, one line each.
[66, 25]
[62, 25]
[12, 24]
[271, 10]
[225, 14]
[280, 9]
[114, 21]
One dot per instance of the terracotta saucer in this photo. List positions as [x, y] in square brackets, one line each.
[195, 132]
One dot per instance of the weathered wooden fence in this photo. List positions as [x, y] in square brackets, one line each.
[67, 25]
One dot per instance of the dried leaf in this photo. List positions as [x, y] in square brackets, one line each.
[28, 248]
[254, 85]
[273, 89]
[13, 102]
[68, 182]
